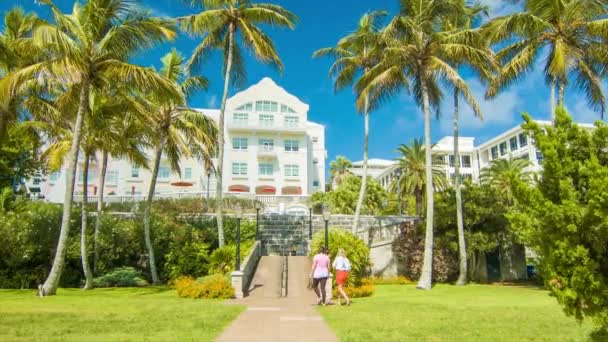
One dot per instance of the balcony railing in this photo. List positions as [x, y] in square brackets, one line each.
[267, 151]
[267, 125]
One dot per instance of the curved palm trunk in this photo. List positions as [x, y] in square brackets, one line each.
[552, 99]
[50, 285]
[426, 276]
[148, 215]
[364, 178]
[100, 188]
[220, 157]
[84, 255]
[462, 252]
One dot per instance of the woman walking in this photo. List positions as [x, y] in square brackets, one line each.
[319, 274]
[342, 266]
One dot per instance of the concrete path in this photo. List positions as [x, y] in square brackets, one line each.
[270, 318]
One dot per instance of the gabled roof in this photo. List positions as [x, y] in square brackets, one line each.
[266, 88]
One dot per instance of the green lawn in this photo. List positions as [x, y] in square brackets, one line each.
[127, 314]
[450, 313]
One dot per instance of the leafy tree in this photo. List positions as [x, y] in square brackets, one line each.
[564, 219]
[221, 23]
[357, 52]
[418, 57]
[19, 158]
[413, 174]
[88, 49]
[575, 33]
[339, 169]
[342, 199]
[503, 175]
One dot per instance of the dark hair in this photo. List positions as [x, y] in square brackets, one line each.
[323, 250]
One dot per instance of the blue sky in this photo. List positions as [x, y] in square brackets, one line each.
[322, 23]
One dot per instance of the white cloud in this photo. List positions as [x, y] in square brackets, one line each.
[212, 101]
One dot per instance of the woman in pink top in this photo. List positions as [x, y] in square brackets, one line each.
[320, 273]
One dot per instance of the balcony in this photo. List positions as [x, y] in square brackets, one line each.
[267, 151]
[266, 126]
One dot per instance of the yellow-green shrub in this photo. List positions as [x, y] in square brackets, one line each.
[213, 286]
[395, 280]
[365, 290]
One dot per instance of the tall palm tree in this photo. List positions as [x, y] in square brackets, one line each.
[88, 49]
[418, 57]
[503, 174]
[484, 67]
[221, 23]
[176, 131]
[412, 162]
[357, 52]
[339, 169]
[575, 33]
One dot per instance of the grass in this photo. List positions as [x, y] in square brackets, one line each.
[450, 313]
[126, 314]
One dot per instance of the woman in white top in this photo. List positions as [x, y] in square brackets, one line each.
[342, 266]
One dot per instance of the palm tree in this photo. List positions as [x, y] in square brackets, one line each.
[357, 52]
[412, 181]
[177, 132]
[418, 57]
[221, 23]
[484, 68]
[89, 49]
[339, 169]
[504, 174]
[575, 32]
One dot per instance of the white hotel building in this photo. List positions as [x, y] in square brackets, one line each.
[272, 152]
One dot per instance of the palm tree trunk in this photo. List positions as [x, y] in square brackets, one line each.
[50, 285]
[148, 214]
[364, 178]
[220, 157]
[101, 181]
[426, 276]
[562, 90]
[3, 126]
[462, 277]
[84, 255]
[552, 99]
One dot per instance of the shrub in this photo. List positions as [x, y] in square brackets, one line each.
[213, 286]
[396, 280]
[221, 260]
[365, 290]
[356, 252]
[190, 258]
[120, 277]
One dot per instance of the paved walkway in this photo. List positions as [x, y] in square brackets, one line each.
[269, 318]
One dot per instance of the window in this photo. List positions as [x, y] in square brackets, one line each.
[246, 106]
[135, 172]
[315, 139]
[451, 159]
[315, 183]
[494, 152]
[292, 170]
[266, 145]
[539, 156]
[112, 177]
[239, 169]
[266, 106]
[90, 176]
[265, 169]
[36, 181]
[266, 120]
[240, 118]
[164, 172]
[466, 161]
[188, 173]
[513, 143]
[53, 177]
[525, 156]
[292, 145]
[239, 143]
[503, 148]
[291, 121]
[286, 109]
[523, 140]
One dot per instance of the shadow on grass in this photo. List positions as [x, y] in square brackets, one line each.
[150, 290]
[599, 335]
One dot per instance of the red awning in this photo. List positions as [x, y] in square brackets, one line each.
[238, 188]
[291, 190]
[182, 184]
[265, 190]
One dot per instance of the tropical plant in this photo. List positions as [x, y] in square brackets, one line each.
[220, 23]
[418, 57]
[88, 50]
[176, 131]
[505, 174]
[575, 34]
[339, 170]
[413, 175]
[355, 53]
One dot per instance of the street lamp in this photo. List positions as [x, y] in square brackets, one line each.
[257, 219]
[310, 222]
[239, 215]
[326, 217]
[398, 175]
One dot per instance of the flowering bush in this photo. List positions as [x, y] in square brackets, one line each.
[396, 280]
[366, 289]
[213, 286]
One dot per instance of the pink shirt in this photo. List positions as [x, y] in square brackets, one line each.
[321, 263]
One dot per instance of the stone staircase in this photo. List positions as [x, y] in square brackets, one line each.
[284, 235]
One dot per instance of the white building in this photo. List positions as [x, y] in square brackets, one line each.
[271, 151]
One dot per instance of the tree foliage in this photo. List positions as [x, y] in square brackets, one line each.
[343, 199]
